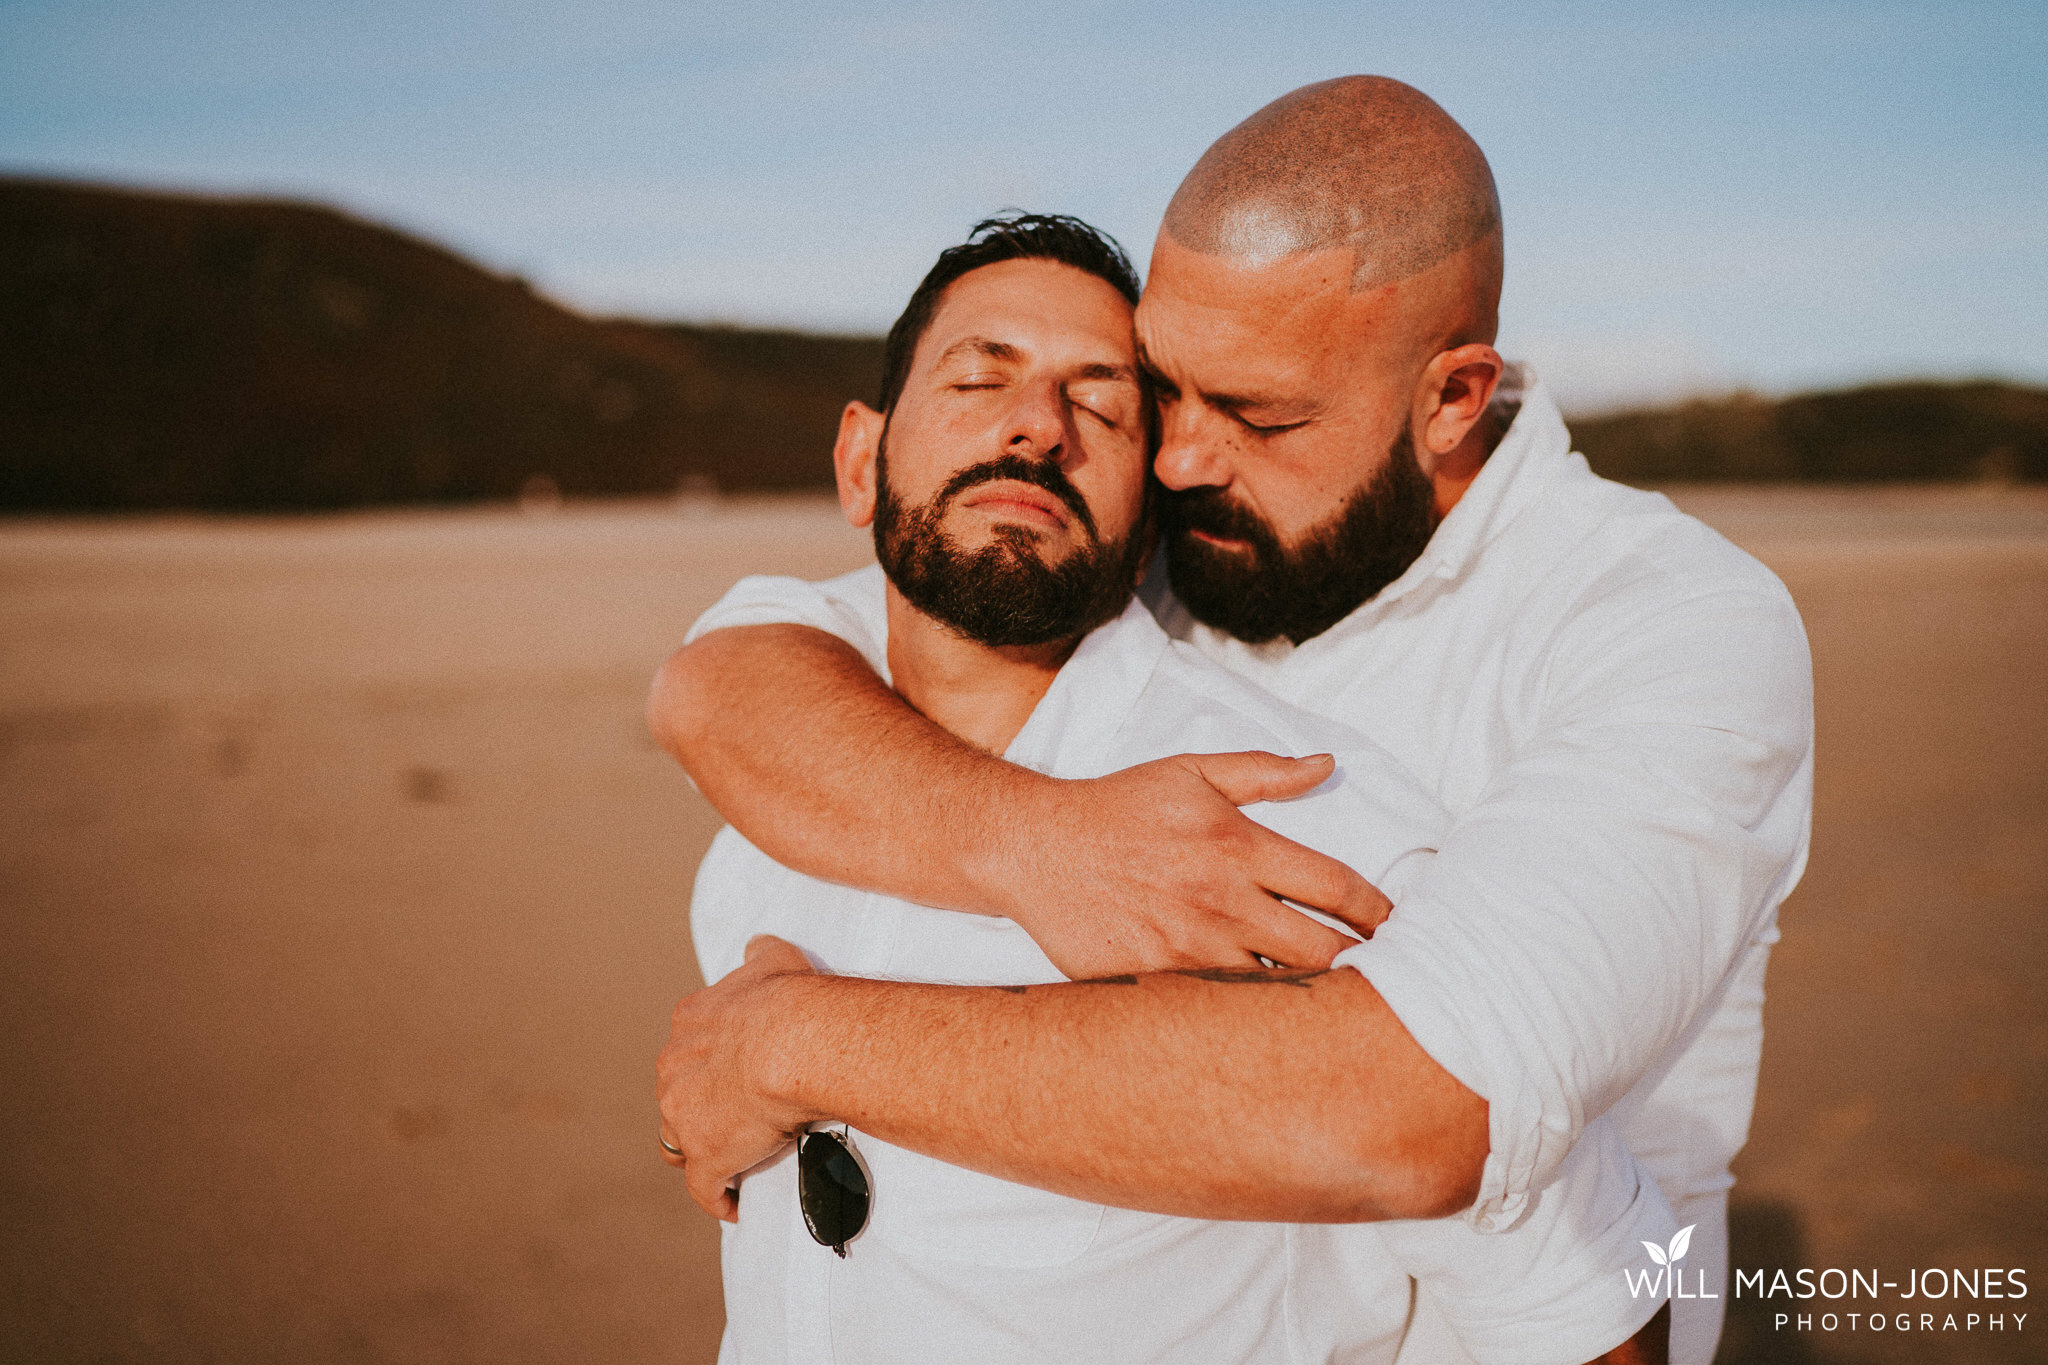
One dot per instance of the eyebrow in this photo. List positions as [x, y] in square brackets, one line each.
[983, 346]
[1229, 402]
[1103, 370]
[1004, 351]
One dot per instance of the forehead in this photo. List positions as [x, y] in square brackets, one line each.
[1046, 309]
[1271, 315]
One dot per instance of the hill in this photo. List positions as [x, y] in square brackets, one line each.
[165, 351]
[175, 351]
[1914, 432]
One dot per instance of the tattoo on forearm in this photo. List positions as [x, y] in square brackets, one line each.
[1255, 976]
[1225, 976]
[1222, 976]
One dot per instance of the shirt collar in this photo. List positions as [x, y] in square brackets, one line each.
[1529, 455]
[1080, 714]
[1526, 458]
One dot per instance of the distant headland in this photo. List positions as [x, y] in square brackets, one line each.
[181, 352]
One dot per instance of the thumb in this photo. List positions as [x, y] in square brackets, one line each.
[1259, 776]
[767, 953]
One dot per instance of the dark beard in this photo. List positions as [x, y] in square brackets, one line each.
[1262, 591]
[1003, 594]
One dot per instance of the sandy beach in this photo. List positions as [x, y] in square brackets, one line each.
[343, 899]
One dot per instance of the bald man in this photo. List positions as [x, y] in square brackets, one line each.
[1371, 515]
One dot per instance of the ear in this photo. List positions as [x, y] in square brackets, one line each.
[853, 461]
[1456, 386]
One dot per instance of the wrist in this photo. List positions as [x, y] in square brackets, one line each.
[1002, 863]
[778, 1056]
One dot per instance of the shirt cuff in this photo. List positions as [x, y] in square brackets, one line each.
[1523, 1147]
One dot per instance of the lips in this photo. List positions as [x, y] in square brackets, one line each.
[1014, 496]
[1037, 485]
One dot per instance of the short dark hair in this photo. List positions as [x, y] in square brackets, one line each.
[1010, 236]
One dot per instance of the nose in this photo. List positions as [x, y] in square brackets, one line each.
[1194, 450]
[1036, 426]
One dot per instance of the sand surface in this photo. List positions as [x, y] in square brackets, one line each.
[342, 900]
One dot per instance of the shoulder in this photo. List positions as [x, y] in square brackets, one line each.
[1647, 613]
[1626, 568]
[853, 606]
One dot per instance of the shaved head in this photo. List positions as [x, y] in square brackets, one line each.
[1361, 162]
[1318, 326]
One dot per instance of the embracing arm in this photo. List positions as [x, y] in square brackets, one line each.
[796, 741]
[792, 736]
[1286, 1096]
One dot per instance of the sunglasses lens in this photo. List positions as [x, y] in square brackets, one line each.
[832, 1190]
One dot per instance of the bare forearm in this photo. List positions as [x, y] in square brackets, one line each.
[1268, 1096]
[797, 742]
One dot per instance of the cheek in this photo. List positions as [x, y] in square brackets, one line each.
[1295, 492]
[1113, 498]
[923, 450]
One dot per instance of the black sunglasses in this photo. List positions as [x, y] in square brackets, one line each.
[831, 1188]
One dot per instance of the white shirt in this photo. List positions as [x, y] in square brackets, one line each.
[1615, 705]
[956, 1265]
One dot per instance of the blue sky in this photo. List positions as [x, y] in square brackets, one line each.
[1698, 197]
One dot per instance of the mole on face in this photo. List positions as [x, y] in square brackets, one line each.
[1362, 162]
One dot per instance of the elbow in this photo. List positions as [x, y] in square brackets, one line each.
[676, 704]
[1438, 1186]
[1434, 1162]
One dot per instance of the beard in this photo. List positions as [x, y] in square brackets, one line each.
[1004, 594]
[1261, 590]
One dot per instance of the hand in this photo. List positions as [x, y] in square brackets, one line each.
[1154, 868]
[714, 1106]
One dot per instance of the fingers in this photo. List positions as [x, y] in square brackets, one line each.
[1287, 936]
[713, 1196]
[1318, 881]
[1258, 776]
[768, 953]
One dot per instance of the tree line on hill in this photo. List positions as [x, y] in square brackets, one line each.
[180, 352]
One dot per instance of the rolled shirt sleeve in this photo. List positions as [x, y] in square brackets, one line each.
[1581, 917]
[1549, 1294]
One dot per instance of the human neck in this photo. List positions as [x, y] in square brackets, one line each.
[982, 693]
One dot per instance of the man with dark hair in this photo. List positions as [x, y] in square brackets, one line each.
[1013, 450]
[1006, 237]
[1613, 703]
[1002, 595]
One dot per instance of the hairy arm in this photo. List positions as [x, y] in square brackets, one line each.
[796, 741]
[1242, 1094]
[792, 736]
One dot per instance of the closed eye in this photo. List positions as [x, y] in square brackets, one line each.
[1267, 429]
[1109, 404]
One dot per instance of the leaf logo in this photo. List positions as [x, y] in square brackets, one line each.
[1680, 1241]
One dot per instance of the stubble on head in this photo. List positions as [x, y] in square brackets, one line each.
[1374, 169]
[1360, 162]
